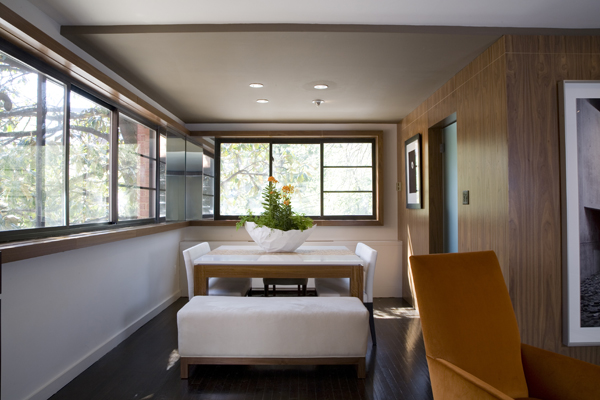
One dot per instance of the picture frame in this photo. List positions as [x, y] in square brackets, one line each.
[579, 103]
[413, 168]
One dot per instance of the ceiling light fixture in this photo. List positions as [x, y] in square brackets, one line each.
[262, 101]
[256, 85]
[321, 86]
[318, 102]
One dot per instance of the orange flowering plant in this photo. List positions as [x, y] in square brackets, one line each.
[277, 212]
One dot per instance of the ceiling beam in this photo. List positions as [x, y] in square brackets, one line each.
[69, 30]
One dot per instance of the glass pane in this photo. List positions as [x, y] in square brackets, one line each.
[209, 165]
[194, 162]
[193, 197]
[208, 185]
[136, 203]
[298, 165]
[208, 206]
[163, 148]
[347, 154]
[244, 172]
[162, 177]
[88, 161]
[54, 157]
[175, 178]
[348, 203]
[135, 170]
[162, 203]
[31, 153]
[193, 159]
[136, 138]
[136, 143]
[347, 179]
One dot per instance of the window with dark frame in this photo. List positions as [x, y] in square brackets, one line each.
[136, 170]
[60, 144]
[335, 177]
[208, 186]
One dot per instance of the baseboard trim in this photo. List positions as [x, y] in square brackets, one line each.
[61, 379]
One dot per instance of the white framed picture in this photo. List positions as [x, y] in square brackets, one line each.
[580, 200]
[414, 193]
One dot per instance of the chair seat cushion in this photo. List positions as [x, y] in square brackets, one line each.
[334, 287]
[229, 286]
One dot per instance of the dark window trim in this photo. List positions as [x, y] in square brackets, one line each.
[322, 141]
[72, 85]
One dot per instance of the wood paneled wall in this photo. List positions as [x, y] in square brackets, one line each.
[534, 66]
[477, 94]
[508, 158]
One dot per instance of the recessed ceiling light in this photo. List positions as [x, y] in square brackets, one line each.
[321, 86]
[256, 85]
[262, 101]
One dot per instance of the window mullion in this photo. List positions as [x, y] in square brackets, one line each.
[67, 144]
[157, 175]
[322, 179]
[114, 167]
[271, 158]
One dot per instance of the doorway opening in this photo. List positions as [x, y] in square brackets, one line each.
[443, 186]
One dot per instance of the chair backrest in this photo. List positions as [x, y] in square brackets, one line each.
[189, 256]
[369, 256]
[467, 317]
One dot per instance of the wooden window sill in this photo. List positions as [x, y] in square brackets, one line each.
[319, 222]
[23, 250]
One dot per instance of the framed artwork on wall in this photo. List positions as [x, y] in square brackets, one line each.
[412, 156]
[580, 201]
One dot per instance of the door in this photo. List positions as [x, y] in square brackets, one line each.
[450, 189]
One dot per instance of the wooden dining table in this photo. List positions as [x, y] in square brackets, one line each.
[253, 262]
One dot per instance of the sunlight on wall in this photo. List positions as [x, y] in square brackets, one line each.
[409, 270]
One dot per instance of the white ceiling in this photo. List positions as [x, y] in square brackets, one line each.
[378, 64]
[575, 14]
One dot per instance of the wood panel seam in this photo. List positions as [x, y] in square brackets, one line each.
[425, 112]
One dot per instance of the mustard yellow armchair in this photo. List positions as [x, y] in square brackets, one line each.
[472, 340]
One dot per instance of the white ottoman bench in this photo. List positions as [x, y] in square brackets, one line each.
[273, 331]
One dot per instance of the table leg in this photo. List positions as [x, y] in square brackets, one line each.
[356, 282]
[200, 281]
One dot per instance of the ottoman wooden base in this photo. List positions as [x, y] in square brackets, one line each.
[361, 370]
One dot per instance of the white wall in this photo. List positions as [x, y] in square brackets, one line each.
[388, 276]
[62, 312]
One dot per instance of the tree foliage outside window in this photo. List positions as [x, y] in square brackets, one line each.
[89, 153]
[31, 148]
[298, 165]
[33, 155]
[346, 176]
[348, 179]
[244, 170]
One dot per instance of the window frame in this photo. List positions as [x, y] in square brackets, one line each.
[115, 177]
[72, 85]
[375, 156]
[209, 154]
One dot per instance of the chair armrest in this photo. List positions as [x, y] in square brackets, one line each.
[450, 382]
[552, 376]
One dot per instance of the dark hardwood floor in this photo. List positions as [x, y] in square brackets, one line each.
[137, 368]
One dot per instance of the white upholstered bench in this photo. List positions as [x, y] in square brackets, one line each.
[273, 331]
